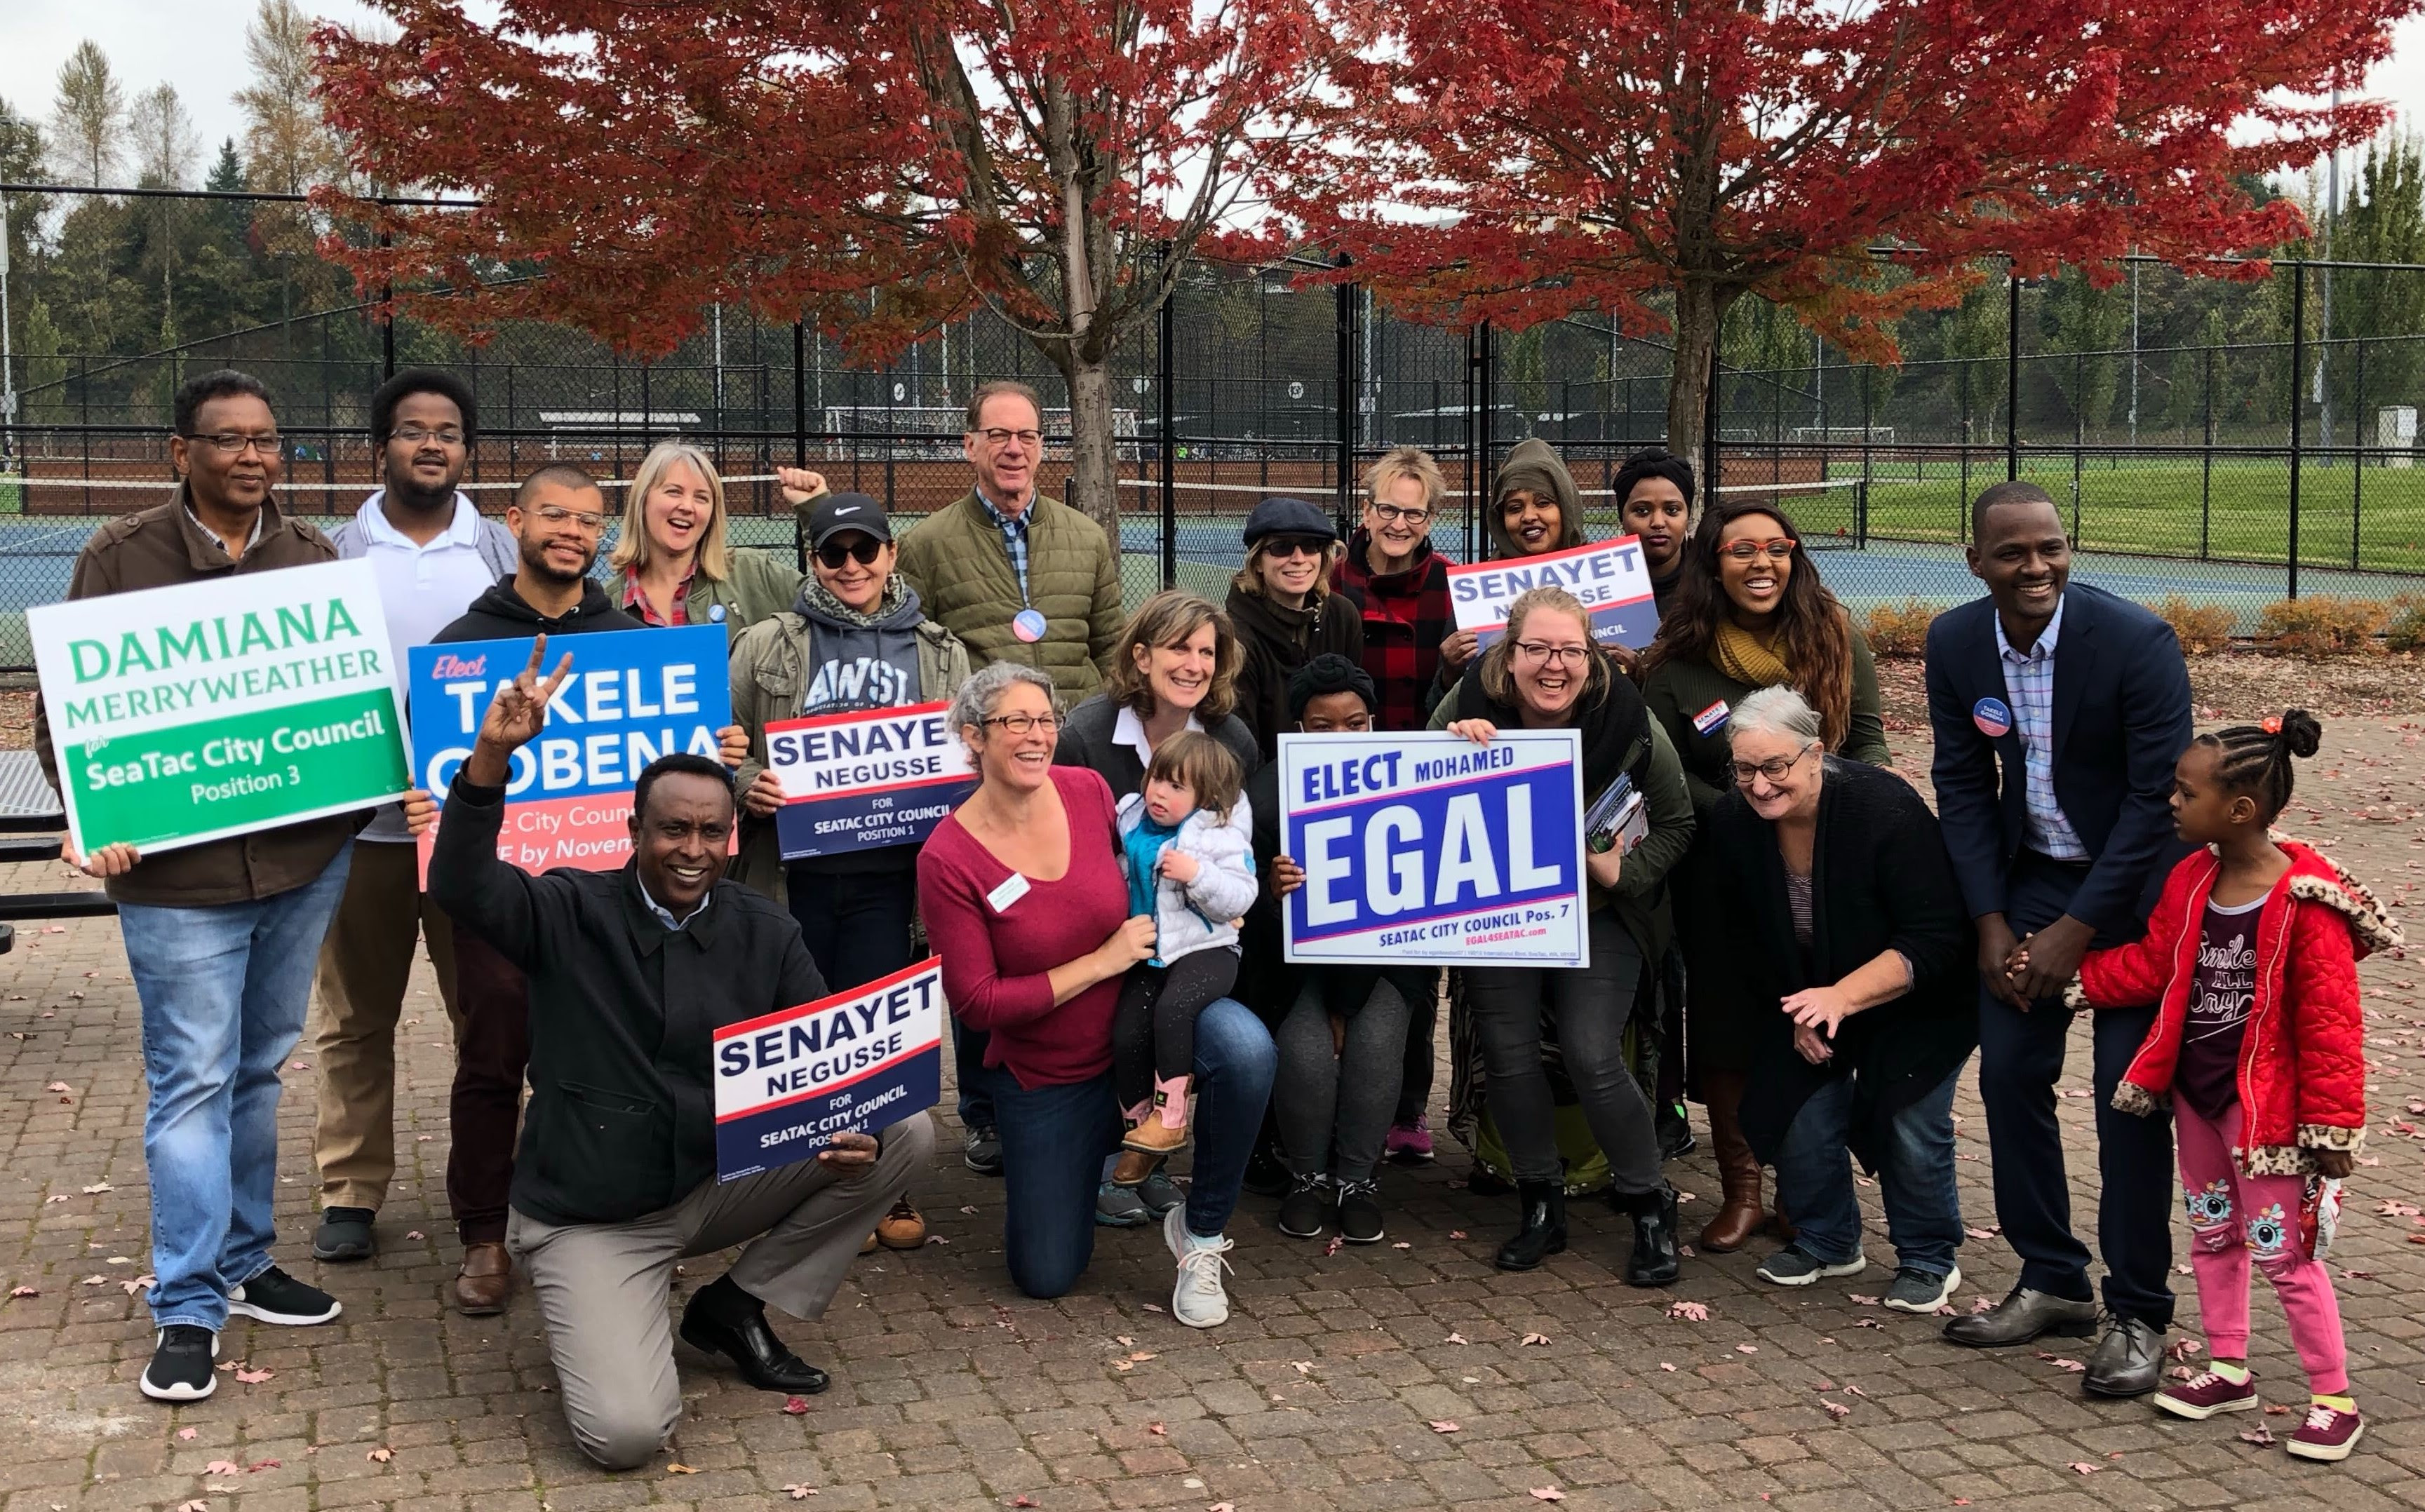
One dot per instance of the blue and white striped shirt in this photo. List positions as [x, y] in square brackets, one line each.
[1014, 539]
[2028, 678]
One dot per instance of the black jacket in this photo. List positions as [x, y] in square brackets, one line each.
[1879, 881]
[500, 614]
[622, 1009]
[1276, 642]
[1086, 741]
[2121, 720]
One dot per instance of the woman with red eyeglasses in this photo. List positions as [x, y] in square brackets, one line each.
[856, 639]
[1749, 612]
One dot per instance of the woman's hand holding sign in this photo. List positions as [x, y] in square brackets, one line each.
[515, 717]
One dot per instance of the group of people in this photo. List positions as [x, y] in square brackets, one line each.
[1796, 941]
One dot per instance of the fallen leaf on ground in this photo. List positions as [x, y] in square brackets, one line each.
[261, 1465]
[222, 1466]
[188, 1433]
[1835, 1410]
[61, 1197]
[1864, 1323]
[1547, 1493]
[1688, 1311]
[2259, 1434]
[1303, 1367]
[380, 1456]
[2084, 1468]
[796, 1405]
[1457, 1233]
[1456, 1338]
[800, 1494]
[1746, 1349]
[1402, 1245]
[1983, 1304]
[1855, 1391]
[197, 1505]
[968, 1212]
[1860, 1301]
[97, 1188]
[252, 1377]
[1220, 1506]
[59, 1087]
[1444, 1425]
[131, 1287]
[1665, 1365]
[24, 1291]
[1332, 1248]
[94, 1280]
[2183, 1349]
[1022, 1501]
[2275, 1410]
[1980, 1234]
[678, 1468]
[1158, 1430]
[1140, 1356]
[1536, 1338]
[1122, 1340]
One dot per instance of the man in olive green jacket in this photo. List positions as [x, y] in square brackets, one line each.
[1017, 577]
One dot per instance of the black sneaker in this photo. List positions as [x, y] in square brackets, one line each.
[344, 1234]
[180, 1367]
[1675, 1129]
[1265, 1175]
[981, 1152]
[274, 1297]
[1308, 1206]
[1359, 1212]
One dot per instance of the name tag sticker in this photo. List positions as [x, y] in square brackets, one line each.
[1708, 720]
[1011, 891]
[1992, 716]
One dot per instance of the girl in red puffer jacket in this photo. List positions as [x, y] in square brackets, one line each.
[2258, 1046]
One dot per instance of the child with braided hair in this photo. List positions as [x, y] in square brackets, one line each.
[2259, 1048]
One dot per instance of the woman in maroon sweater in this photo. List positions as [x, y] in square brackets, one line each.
[1024, 902]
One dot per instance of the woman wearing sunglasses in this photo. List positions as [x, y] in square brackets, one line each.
[854, 639]
[673, 563]
[1749, 612]
[1286, 614]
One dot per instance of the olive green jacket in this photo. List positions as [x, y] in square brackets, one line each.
[762, 585]
[956, 561]
[1679, 691]
[768, 663]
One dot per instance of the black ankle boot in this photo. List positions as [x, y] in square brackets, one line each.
[1544, 1230]
[1655, 1260]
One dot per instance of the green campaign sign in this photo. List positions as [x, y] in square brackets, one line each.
[212, 708]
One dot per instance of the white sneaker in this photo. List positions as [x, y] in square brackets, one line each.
[1199, 1300]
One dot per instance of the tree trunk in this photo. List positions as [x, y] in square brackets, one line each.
[1700, 307]
[1094, 455]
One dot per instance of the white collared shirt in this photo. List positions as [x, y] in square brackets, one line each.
[664, 915]
[1128, 730]
[422, 589]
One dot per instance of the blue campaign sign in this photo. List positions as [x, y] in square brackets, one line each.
[787, 1083]
[1610, 577]
[1428, 850]
[631, 696]
[858, 782]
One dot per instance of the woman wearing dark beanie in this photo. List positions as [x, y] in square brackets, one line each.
[1282, 603]
[1654, 500]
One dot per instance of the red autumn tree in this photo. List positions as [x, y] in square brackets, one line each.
[878, 168]
[1516, 159]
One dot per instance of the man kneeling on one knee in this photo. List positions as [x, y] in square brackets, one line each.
[631, 972]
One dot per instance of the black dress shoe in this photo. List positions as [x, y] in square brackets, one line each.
[2129, 1359]
[1657, 1256]
[2022, 1315]
[744, 1337]
[1543, 1230]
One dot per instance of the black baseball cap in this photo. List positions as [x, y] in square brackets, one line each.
[1288, 517]
[837, 513]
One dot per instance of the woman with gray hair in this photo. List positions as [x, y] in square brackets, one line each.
[1024, 901]
[1848, 921]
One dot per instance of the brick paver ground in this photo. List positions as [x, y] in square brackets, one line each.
[1325, 1391]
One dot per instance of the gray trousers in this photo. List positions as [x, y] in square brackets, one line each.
[1334, 1106]
[602, 1287]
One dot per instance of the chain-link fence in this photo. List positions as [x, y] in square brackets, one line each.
[2231, 441]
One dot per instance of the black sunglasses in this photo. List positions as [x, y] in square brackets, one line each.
[833, 553]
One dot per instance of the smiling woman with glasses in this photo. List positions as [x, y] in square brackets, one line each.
[1748, 612]
[1545, 674]
[1849, 946]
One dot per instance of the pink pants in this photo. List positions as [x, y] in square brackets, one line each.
[2233, 1216]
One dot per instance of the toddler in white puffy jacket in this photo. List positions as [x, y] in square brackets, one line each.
[1184, 846]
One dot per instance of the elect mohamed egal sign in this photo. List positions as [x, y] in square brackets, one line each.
[179, 717]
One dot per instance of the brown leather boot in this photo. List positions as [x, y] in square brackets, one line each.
[1739, 1217]
[485, 1281]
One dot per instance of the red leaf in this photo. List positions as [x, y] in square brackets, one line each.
[796, 1405]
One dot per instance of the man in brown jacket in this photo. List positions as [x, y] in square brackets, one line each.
[220, 937]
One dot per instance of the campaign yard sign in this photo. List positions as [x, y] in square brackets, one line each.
[787, 1083]
[631, 696]
[206, 710]
[1611, 579]
[858, 782]
[1428, 850]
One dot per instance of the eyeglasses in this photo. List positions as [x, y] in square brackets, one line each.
[833, 553]
[1024, 723]
[232, 443]
[1570, 656]
[996, 437]
[1774, 771]
[1393, 513]
[1289, 546]
[416, 434]
[1745, 550]
[558, 515]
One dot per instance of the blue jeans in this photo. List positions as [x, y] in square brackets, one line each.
[1814, 1179]
[224, 991]
[1053, 1140]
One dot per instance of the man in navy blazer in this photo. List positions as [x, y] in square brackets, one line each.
[2058, 711]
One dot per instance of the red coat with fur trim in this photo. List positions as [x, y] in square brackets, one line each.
[2303, 1061]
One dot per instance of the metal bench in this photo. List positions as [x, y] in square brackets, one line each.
[30, 810]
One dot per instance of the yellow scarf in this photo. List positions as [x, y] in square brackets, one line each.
[1746, 658]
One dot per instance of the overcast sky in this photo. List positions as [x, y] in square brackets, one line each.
[197, 45]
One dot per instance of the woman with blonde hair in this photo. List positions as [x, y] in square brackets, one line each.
[672, 561]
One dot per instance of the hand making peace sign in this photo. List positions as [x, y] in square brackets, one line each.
[515, 716]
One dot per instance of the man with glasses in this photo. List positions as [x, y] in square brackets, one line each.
[433, 555]
[1016, 576]
[219, 936]
[557, 518]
